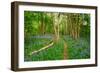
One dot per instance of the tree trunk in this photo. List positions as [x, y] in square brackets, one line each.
[56, 26]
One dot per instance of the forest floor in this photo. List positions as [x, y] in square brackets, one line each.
[65, 48]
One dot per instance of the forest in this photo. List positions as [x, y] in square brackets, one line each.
[56, 36]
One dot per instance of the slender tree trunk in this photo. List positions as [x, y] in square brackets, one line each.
[56, 26]
[42, 23]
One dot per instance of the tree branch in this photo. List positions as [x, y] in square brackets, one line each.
[43, 48]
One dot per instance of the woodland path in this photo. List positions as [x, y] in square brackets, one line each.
[65, 51]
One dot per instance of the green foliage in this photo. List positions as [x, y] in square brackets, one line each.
[39, 31]
[85, 33]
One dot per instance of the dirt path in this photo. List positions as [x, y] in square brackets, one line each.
[65, 53]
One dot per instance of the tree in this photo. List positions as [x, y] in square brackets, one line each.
[56, 26]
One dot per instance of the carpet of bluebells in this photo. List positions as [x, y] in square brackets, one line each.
[77, 49]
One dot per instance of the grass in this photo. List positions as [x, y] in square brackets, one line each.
[77, 49]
